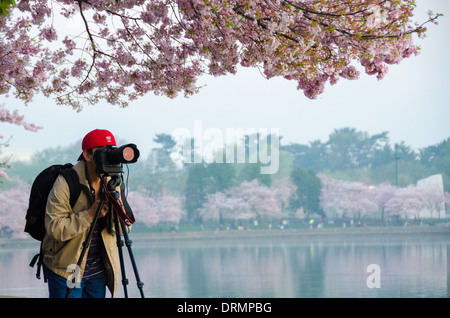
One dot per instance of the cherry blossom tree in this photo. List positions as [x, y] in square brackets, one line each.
[407, 202]
[354, 199]
[169, 209]
[13, 208]
[382, 194]
[143, 207]
[328, 196]
[284, 189]
[120, 50]
[153, 211]
[220, 207]
[247, 201]
[340, 197]
[6, 116]
[434, 200]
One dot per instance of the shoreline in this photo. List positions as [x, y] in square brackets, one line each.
[305, 235]
[325, 235]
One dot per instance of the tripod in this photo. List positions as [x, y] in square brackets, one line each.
[109, 190]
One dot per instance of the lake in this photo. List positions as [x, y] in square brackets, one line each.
[281, 266]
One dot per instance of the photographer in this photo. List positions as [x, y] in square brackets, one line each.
[67, 229]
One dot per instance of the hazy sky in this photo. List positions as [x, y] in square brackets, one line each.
[411, 103]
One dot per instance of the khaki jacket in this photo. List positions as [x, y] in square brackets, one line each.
[67, 229]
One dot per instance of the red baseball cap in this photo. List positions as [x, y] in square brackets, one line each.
[97, 138]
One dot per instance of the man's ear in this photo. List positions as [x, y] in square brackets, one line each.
[87, 156]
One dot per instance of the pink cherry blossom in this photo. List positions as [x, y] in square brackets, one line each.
[406, 202]
[13, 207]
[6, 116]
[152, 211]
[125, 49]
[354, 199]
[247, 201]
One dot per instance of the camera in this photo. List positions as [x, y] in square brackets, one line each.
[109, 160]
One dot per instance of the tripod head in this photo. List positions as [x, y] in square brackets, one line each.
[113, 183]
[120, 207]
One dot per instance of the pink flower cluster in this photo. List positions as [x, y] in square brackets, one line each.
[248, 201]
[15, 118]
[151, 211]
[126, 49]
[355, 199]
[14, 203]
[6, 116]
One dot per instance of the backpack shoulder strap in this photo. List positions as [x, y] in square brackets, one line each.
[73, 181]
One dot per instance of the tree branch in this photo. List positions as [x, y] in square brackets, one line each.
[94, 56]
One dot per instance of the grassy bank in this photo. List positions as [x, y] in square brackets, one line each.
[306, 235]
[299, 235]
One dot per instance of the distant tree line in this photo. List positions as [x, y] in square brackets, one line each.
[196, 193]
[354, 155]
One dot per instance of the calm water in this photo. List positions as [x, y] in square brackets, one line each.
[259, 269]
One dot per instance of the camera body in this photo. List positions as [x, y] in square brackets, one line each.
[109, 159]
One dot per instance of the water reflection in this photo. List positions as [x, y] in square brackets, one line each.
[259, 269]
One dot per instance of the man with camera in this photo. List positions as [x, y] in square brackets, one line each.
[68, 229]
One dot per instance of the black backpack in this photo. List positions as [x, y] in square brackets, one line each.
[40, 190]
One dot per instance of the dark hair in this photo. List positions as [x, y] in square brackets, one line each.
[89, 151]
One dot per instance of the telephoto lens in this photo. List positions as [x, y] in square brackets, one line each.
[124, 154]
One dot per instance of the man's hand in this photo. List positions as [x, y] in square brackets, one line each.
[93, 209]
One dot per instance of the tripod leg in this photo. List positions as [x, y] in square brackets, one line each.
[86, 244]
[122, 265]
[128, 243]
[115, 195]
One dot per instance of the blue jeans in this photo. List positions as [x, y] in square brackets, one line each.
[90, 287]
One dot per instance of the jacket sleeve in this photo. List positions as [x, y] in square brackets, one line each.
[61, 222]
